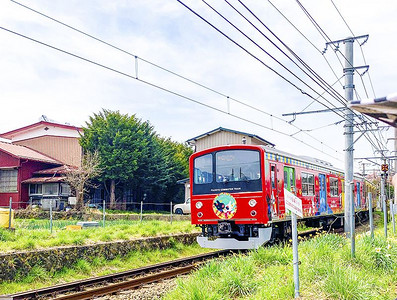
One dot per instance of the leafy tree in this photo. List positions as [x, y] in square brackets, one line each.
[79, 179]
[133, 156]
[122, 143]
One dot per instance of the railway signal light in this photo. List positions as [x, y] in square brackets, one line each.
[385, 167]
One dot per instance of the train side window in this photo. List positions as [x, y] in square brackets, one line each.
[307, 184]
[289, 178]
[334, 187]
[273, 176]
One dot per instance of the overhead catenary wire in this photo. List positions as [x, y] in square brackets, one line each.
[254, 56]
[321, 81]
[162, 88]
[209, 23]
[334, 94]
[361, 48]
[326, 37]
[248, 52]
[165, 69]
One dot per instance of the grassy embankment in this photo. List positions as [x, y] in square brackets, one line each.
[38, 277]
[327, 271]
[34, 234]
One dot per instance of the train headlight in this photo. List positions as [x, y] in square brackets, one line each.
[200, 214]
[253, 213]
[199, 204]
[252, 202]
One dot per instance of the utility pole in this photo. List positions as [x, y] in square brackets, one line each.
[349, 88]
[349, 124]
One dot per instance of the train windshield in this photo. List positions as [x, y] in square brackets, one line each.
[227, 171]
[237, 165]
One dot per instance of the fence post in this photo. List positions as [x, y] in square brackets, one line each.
[141, 209]
[9, 214]
[171, 210]
[51, 215]
[371, 216]
[103, 213]
[392, 215]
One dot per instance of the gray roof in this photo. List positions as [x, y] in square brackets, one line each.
[229, 130]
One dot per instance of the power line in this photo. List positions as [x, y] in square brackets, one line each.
[361, 48]
[252, 55]
[248, 52]
[161, 88]
[325, 36]
[167, 70]
[158, 66]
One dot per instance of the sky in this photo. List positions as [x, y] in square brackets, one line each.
[36, 80]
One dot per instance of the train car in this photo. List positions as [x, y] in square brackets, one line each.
[237, 194]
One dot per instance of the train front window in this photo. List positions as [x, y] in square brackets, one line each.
[237, 165]
[203, 169]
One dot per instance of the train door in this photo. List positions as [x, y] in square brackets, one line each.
[289, 179]
[275, 191]
[323, 194]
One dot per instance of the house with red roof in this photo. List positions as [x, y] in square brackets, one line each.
[17, 164]
[33, 165]
[59, 141]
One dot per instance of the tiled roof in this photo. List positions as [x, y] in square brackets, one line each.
[58, 170]
[26, 153]
[44, 180]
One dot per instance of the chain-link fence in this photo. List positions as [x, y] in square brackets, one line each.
[48, 215]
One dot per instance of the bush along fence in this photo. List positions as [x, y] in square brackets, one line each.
[18, 264]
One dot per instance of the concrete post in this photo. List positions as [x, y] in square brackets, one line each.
[10, 214]
[371, 216]
[141, 209]
[295, 253]
[353, 221]
[349, 88]
[171, 210]
[383, 199]
[103, 213]
[51, 215]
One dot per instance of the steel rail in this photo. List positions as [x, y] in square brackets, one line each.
[79, 285]
[129, 284]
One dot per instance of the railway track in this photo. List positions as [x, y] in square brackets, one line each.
[113, 283]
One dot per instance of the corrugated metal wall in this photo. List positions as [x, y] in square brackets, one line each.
[224, 138]
[64, 149]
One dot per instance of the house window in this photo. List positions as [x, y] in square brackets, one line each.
[307, 184]
[50, 189]
[65, 189]
[8, 181]
[35, 189]
[333, 184]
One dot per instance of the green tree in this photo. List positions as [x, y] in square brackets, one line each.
[122, 142]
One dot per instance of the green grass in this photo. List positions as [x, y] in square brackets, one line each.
[327, 271]
[34, 234]
[38, 277]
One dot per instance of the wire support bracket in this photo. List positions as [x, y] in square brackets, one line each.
[349, 39]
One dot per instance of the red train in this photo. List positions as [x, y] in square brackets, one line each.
[237, 194]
